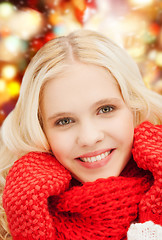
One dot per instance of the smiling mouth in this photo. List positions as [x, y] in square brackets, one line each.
[95, 158]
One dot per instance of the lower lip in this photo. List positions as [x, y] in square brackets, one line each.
[97, 164]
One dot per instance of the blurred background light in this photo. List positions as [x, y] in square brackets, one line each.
[2, 85]
[9, 71]
[30, 23]
[6, 10]
[141, 2]
[13, 88]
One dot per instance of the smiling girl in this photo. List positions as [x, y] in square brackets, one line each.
[83, 120]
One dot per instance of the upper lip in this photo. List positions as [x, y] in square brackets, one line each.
[94, 154]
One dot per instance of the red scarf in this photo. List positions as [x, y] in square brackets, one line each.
[40, 204]
[102, 209]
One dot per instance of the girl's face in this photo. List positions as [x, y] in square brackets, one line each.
[87, 123]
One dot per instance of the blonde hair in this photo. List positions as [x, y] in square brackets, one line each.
[22, 130]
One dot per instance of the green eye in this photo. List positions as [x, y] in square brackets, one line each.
[63, 122]
[106, 109]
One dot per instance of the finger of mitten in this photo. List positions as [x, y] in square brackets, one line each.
[32, 179]
[40, 171]
[147, 147]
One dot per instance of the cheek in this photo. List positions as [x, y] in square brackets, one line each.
[61, 145]
[127, 134]
[121, 128]
[126, 131]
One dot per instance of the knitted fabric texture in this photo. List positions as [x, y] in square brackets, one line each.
[147, 152]
[41, 202]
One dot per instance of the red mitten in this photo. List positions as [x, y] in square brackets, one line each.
[31, 180]
[147, 152]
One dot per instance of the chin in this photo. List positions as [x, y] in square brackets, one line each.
[93, 178]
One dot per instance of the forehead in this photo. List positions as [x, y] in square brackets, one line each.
[80, 83]
[76, 75]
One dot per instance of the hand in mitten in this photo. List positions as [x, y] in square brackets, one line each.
[147, 152]
[31, 180]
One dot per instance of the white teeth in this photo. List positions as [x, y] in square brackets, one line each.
[88, 159]
[107, 153]
[102, 155]
[96, 158]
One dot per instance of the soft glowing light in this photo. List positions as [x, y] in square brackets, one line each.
[59, 30]
[9, 71]
[4, 31]
[55, 18]
[6, 9]
[141, 2]
[158, 59]
[11, 48]
[2, 85]
[13, 88]
[80, 4]
[26, 23]
[13, 44]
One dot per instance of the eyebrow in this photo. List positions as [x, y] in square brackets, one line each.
[100, 102]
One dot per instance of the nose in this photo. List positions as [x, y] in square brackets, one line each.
[89, 134]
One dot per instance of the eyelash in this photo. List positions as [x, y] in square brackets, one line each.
[66, 121]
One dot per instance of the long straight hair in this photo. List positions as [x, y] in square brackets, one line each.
[22, 130]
